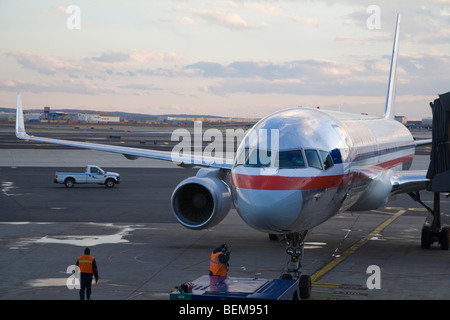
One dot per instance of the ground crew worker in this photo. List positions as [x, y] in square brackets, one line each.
[88, 268]
[218, 265]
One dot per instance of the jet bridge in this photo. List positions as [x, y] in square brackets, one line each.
[438, 173]
[439, 168]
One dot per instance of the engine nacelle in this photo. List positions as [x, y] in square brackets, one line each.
[377, 193]
[202, 201]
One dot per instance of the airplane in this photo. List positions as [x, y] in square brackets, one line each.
[326, 162]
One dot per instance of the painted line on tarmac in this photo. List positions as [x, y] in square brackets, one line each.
[318, 274]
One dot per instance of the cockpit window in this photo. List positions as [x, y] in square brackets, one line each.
[291, 159]
[313, 159]
[263, 158]
[257, 157]
[327, 161]
[286, 159]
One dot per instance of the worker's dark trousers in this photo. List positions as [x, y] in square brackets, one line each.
[85, 285]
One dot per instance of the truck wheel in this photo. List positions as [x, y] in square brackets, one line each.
[69, 182]
[110, 183]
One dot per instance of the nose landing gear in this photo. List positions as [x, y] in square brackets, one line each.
[293, 269]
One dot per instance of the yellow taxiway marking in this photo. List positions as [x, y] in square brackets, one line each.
[322, 291]
[325, 285]
[355, 247]
[336, 290]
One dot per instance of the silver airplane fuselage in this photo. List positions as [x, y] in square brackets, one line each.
[327, 162]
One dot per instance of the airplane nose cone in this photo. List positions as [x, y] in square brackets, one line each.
[269, 210]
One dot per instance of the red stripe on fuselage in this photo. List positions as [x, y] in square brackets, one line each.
[260, 182]
[286, 183]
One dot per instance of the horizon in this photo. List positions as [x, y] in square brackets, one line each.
[37, 109]
[235, 59]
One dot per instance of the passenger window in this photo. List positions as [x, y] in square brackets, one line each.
[313, 159]
[327, 161]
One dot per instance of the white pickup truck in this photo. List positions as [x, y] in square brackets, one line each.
[93, 174]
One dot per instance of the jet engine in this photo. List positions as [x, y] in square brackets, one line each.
[202, 201]
[377, 194]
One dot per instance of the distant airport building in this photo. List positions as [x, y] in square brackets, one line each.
[177, 119]
[46, 113]
[95, 118]
[33, 117]
[7, 116]
[402, 119]
[427, 122]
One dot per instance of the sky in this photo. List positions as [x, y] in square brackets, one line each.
[227, 58]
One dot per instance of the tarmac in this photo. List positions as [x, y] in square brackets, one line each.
[143, 253]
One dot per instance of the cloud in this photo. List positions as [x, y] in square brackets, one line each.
[297, 69]
[313, 22]
[148, 56]
[372, 39]
[419, 73]
[231, 21]
[319, 87]
[119, 62]
[300, 77]
[264, 9]
[423, 73]
[141, 87]
[66, 86]
[113, 57]
[188, 21]
[43, 63]
[58, 10]
[420, 23]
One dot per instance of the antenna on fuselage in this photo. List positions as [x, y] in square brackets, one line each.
[390, 99]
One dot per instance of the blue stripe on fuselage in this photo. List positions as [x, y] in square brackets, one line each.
[337, 156]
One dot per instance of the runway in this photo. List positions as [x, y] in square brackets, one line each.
[142, 252]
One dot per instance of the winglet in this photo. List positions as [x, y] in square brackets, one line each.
[389, 112]
[20, 126]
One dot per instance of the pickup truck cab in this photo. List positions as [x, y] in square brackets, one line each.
[92, 174]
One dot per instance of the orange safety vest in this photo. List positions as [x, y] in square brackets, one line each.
[216, 267]
[85, 263]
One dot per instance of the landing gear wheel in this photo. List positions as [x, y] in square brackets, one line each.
[444, 238]
[433, 232]
[305, 286]
[426, 237]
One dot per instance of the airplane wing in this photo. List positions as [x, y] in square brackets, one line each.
[129, 153]
[409, 181]
[423, 142]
